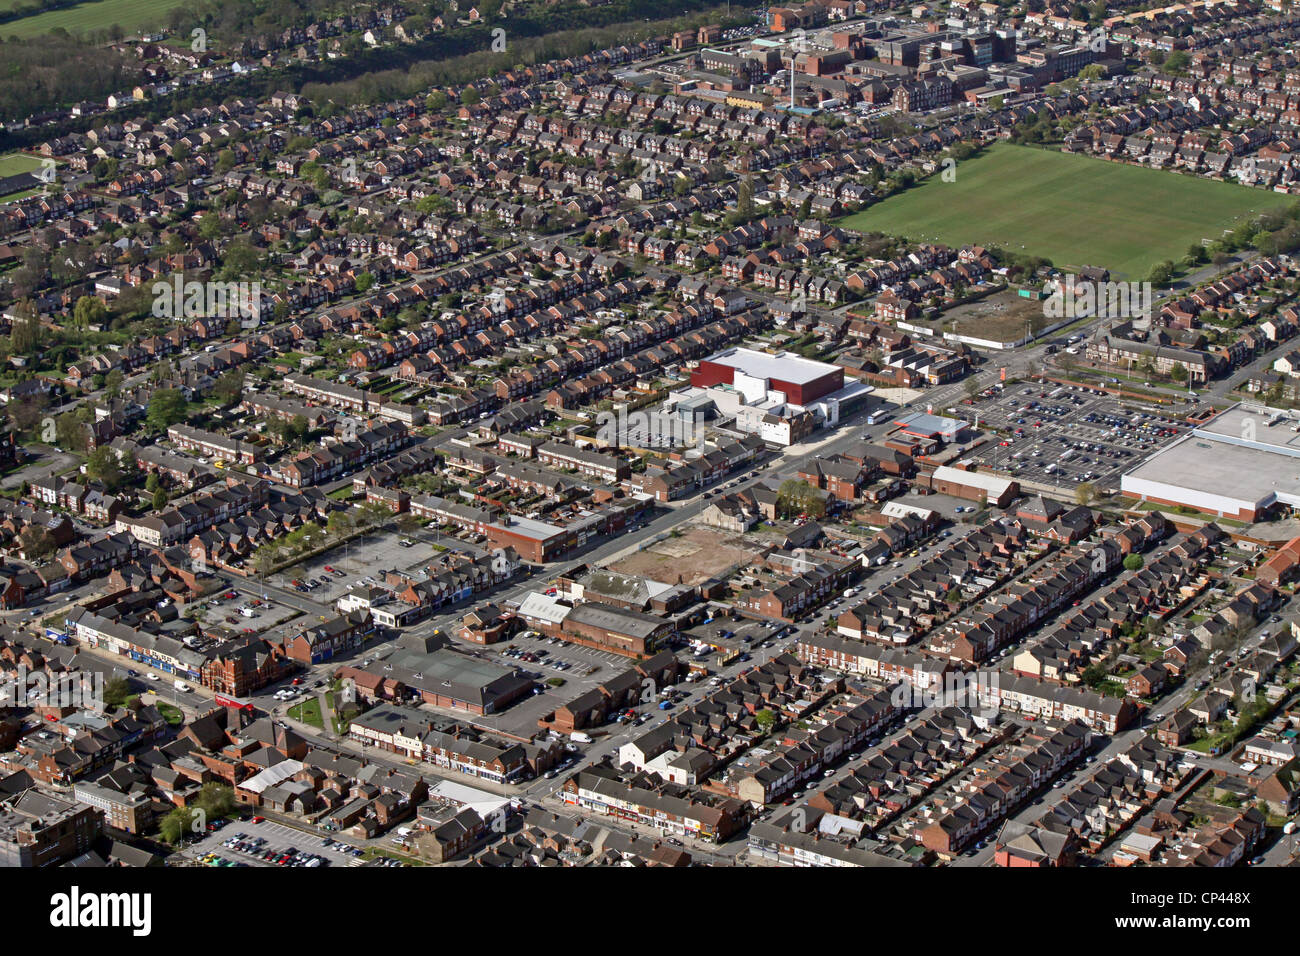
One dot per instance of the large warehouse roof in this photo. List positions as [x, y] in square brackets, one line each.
[783, 366]
[1216, 476]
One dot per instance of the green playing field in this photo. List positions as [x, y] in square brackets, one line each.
[1073, 210]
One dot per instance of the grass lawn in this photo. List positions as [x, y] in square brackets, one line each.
[11, 164]
[93, 15]
[308, 711]
[173, 715]
[392, 853]
[1074, 210]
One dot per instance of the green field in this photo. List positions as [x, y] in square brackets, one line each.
[11, 164]
[1073, 210]
[93, 15]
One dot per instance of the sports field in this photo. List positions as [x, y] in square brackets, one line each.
[93, 15]
[11, 164]
[1073, 210]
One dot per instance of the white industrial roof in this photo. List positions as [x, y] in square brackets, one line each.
[539, 606]
[994, 486]
[785, 366]
[271, 776]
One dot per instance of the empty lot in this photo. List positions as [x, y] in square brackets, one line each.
[690, 558]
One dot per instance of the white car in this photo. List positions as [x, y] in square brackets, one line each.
[152, 676]
[181, 686]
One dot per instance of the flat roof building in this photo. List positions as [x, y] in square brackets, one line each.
[756, 373]
[974, 486]
[921, 425]
[1237, 465]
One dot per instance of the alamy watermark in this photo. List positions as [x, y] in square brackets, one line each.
[185, 301]
[79, 689]
[648, 430]
[1076, 298]
[976, 692]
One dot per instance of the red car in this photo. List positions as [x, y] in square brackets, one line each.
[259, 819]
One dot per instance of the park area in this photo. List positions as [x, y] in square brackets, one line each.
[88, 17]
[1074, 210]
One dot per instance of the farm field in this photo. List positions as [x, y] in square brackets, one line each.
[1074, 210]
[88, 17]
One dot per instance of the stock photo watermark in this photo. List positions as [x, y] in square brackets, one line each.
[1075, 298]
[648, 430]
[182, 300]
[83, 690]
[972, 691]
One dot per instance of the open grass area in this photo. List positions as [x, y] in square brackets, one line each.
[308, 711]
[11, 164]
[1074, 210]
[93, 15]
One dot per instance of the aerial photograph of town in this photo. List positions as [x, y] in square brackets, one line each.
[649, 433]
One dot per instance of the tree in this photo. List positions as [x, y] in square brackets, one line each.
[36, 542]
[177, 824]
[210, 226]
[291, 431]
[240, 259]
[264, 561]
[1133, 562]
[70, 429]
[796, 496]
[339, 524]
[103, 466]
[1161, 273]
[216, 800]
[229, 387]
[26, 335]
[1093, 675]
[1179, 372]
[1084, 493]
[152, 483]
[159, 499]
[766, 720]
[117, 691]
[167, 406]
[88, 311]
